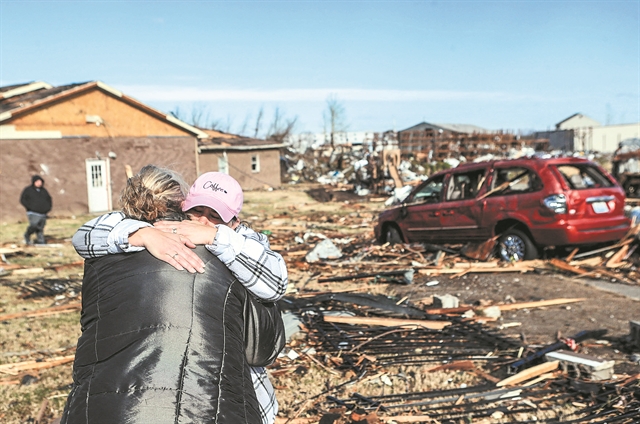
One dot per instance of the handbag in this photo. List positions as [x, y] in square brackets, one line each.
[264, 336]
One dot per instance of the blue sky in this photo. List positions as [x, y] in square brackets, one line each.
[513, 65]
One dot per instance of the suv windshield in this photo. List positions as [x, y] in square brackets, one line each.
[580, 177]
[430, 193]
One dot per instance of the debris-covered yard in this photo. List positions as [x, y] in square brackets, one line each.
[378, 333]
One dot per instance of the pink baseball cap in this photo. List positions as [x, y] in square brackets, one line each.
[218, 191]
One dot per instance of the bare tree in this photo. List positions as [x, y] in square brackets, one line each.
[335, 118]
[280, 127]
[199, 117]
[258, 122]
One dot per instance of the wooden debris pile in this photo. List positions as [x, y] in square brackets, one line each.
[361, 338]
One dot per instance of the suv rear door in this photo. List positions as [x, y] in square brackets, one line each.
[514, 193]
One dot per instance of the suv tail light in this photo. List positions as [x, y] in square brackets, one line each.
[557, 203]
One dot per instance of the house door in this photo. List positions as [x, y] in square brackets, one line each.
[98, 185]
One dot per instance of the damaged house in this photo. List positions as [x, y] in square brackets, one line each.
[86, 138]
[437, 142]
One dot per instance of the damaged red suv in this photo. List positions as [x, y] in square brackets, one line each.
[530, 203]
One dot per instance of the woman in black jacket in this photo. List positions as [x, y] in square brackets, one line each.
[160, 345]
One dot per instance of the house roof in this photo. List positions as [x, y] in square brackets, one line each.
[457, 128]
[23, 98]
[13, 90]
[566, 119]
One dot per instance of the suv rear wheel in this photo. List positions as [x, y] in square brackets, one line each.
[514, 246]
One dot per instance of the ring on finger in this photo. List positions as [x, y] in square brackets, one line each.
[174, 255]
[174, 230]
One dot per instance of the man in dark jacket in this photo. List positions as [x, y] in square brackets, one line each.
[160, 346]
[36, 200]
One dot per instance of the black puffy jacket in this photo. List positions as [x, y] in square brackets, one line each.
[160, 345]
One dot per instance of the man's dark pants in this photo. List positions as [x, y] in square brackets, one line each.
[36, 225]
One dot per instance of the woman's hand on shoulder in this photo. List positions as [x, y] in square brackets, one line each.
[173, 249]
[195, 231]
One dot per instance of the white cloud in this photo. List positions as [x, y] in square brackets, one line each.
[192, 94]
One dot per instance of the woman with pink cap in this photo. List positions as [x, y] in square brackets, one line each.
[213, 204]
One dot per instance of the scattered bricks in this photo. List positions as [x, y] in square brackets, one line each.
[582, 366]
[445, 301]
[635, 332]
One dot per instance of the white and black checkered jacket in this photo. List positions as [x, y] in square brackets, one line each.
[245, 252]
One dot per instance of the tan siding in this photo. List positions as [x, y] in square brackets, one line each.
[65, 164]
[240, 167]
[120, 119]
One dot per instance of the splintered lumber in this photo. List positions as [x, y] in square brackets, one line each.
[444, 311]
[10, 251]
[477, 270]
[70, 307]
[388, 322]
[539, 304]
[24, 271]
[529, 373]
[615, 260]
[589, 262]
[572, 254]
[16, 368]
[558, 263]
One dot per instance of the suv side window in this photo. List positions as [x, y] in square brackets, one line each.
[430, 193]
[514, 180]
[466, 185]
[585, 176]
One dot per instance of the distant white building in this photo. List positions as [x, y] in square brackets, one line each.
[581, 133]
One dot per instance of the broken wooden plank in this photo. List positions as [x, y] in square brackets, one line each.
[529, 373]
[10, 250]
[15, 368]
[70, 307]
[615, 260]
[572, 254]
[590, 262]
[27, 271]
[545, 376]
[388, 322]
[496, 270]
[445, 311]
[558, 263]
[540, 303]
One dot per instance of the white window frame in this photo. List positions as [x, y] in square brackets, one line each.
[255, 163]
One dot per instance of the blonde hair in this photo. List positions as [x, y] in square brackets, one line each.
[154, 193]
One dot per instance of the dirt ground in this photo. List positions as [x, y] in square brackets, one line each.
[289, 215]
